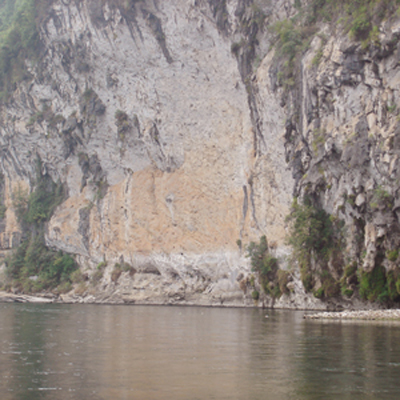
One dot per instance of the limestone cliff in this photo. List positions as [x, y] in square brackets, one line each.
[178, 142]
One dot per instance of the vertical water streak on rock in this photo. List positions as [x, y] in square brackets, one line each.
[244, 209]
[84, 226]
[245, 56]
[252, 202]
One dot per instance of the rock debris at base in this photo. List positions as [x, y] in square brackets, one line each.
[22, 298]
[370, 315]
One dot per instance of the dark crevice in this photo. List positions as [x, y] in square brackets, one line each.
[154, 23]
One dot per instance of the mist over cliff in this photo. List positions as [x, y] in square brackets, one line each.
[149, 143]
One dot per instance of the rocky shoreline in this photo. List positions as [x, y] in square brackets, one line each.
[367, 315]
[23, 298]
[345, 315]
[47, 298]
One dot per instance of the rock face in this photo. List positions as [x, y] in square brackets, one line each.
[177, 146]
[340, 143]
[145, 119]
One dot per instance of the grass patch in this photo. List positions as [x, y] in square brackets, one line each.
[77, 276]
[392, 255]
[381, 198]
[318, 140]
[99, 273]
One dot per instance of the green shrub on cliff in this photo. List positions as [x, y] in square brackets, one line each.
[43, 200]
[393, 285]
[119, 268]
[292, 40]
[373, 284]
[329, 287]
[257, 252]
[33, 266]
[311, 231]
[316, 238]
[379, 285]
[255, 295]
[392, 255]
[19, 40]
[37, 208]
[349, 279]
[359, 18]
[271, 278]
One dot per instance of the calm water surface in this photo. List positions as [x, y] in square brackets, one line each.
[143, 353]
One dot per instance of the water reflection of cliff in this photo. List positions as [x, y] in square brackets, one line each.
[298, 359]
[353, 361]
[104, 352]
[168, 353]
[22, 343]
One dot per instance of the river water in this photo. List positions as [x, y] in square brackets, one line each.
[188, 353]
